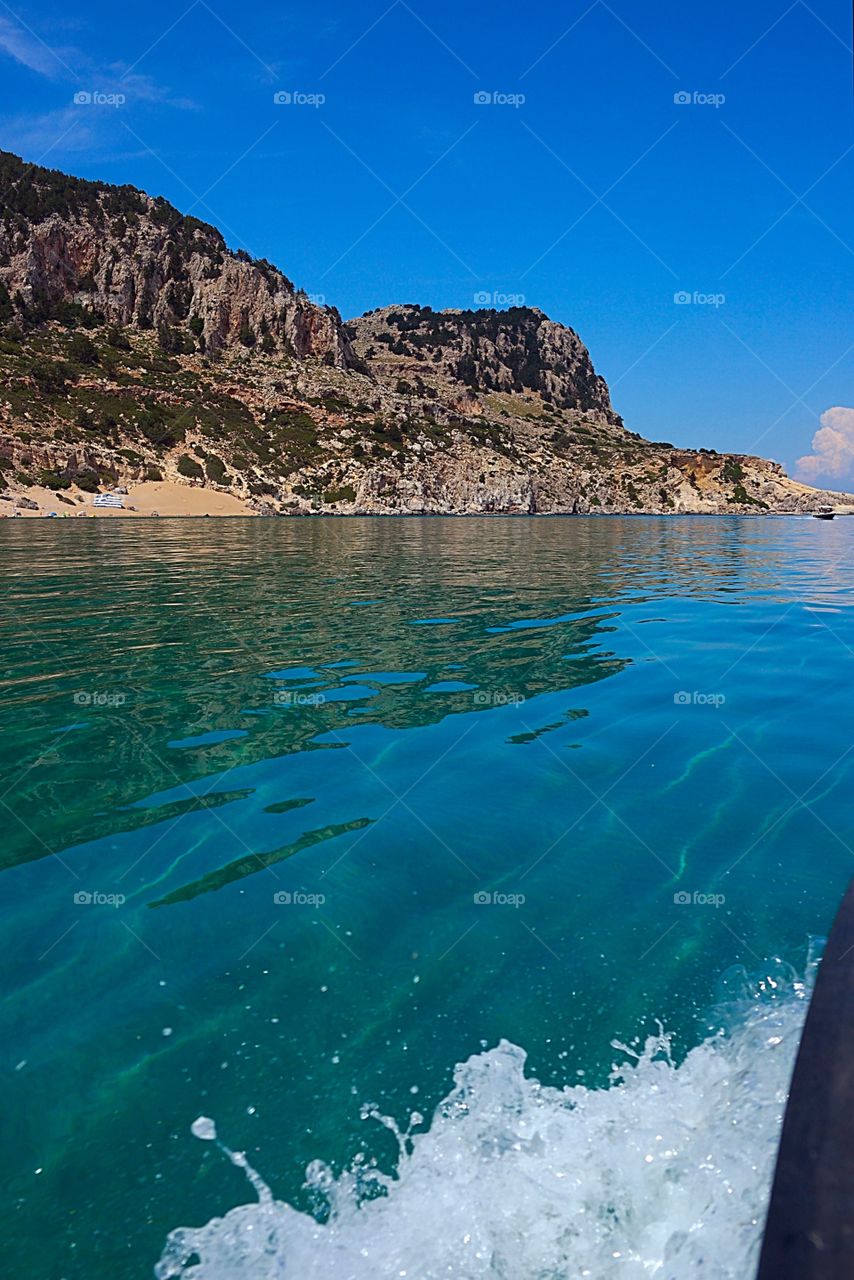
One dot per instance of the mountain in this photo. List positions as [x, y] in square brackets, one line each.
[135, 345]
[518, 351]
[137, 261]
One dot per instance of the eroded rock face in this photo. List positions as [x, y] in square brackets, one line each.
[515, 351]
[470, 481]
[137, 346]
[448, 485]
[137, 261]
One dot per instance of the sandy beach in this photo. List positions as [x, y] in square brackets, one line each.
[151, 498]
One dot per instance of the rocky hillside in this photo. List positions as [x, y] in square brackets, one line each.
[134, 260]
[519, 351]
[135, 345]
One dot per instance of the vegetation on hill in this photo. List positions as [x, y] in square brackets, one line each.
[135, 345]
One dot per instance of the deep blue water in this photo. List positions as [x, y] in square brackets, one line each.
[299, 814]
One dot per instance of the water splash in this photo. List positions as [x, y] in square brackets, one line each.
[665, 1173]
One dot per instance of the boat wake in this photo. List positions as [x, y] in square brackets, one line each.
[664, 1173]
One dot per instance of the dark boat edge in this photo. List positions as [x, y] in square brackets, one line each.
[809, 1230]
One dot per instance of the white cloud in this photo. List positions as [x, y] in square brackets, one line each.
[68, 129]
[29, 49]
[833, 446]
[140, 88]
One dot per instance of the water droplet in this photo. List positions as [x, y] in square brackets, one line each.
[204, 1128]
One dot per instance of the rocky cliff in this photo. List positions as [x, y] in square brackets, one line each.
[519, 350]
[135, 260]
[135, 345]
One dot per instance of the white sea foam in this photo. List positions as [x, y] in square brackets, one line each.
[204, 1128]
[665, 1173]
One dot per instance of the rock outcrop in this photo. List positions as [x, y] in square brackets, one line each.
[515, 351]
[137, 261]
[135, 345]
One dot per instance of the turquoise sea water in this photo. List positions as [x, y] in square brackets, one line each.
[297, 815]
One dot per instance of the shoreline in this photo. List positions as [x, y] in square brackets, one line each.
[148, 499]
[164, 499]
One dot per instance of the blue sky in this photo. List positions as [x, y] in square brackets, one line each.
[585, 188]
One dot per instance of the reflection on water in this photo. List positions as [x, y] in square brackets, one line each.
[111, 641]
[111, 646]
[334, 804]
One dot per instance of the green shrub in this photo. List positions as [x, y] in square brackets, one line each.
[215, 469]
[158, 430]
[116, 339]
[71, 314]
[743, 498]
[53, 480]
[51, 376]
[82, 350]
[7, 310]
[188, 467]
[344, 493]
